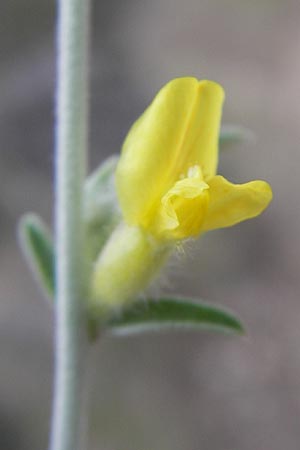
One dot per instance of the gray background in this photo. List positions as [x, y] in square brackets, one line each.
[181, 391]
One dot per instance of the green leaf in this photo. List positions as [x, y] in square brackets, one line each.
[177, 313]
[101, 208]
[37, 246]
[101, 179]
[234, 134]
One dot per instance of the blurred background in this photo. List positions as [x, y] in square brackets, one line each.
[181, 391]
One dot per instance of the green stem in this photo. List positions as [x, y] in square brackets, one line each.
[71, 155]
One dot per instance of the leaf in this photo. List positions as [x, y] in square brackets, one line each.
[99, 180]
[177, 313]
[37, 246]
[234, 134]
[101, 208]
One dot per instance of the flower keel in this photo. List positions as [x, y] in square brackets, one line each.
[183, 208]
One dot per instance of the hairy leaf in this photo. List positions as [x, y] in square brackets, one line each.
[168, 313]
[37, 246]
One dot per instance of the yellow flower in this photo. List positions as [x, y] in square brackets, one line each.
[168, 189]
[166, 178]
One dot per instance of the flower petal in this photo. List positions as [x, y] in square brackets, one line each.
[182, 210]
[202, 137]
[178, 130]
[232, 203]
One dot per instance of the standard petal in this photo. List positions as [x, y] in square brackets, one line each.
[179, 129]
[146, 168]
[232, 203]
[202, 135]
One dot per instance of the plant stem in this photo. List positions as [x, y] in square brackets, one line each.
[71, 156]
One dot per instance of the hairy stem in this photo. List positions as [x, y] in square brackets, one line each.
[71, 155]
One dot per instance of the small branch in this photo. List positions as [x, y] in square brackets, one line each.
[71, 155]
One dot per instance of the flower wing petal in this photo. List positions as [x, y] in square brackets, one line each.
[179, 129]
[232, 203]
